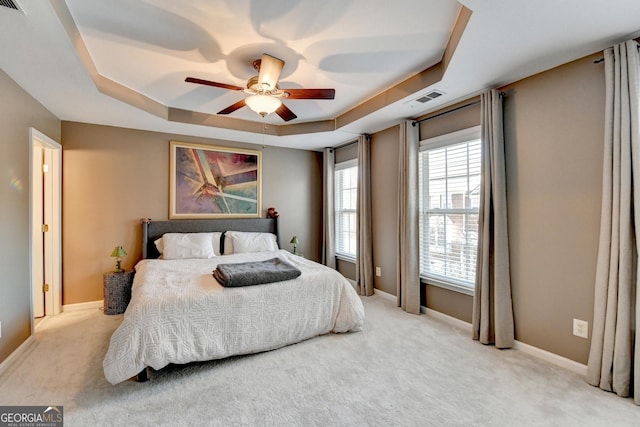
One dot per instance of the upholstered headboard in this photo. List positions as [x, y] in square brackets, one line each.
[153, 230]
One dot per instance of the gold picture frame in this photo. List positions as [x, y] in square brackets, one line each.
[209, 181]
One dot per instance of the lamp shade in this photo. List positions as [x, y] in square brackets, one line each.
[294, 240]
[263, 104]
[118, 251]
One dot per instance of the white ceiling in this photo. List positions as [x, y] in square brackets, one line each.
[359, 47]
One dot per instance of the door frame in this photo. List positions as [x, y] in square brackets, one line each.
[53, 241]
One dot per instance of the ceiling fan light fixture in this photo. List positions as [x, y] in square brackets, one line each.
[263, 104]
[264, 90]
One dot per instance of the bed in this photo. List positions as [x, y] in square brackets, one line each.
[179, 313]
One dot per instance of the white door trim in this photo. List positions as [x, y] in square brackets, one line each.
[53, 241]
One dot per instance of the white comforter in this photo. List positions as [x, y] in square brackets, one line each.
[179, 313]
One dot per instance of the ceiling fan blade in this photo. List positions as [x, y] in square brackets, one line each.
[310, 93]
[286, 114]
[210, 83]
[230, 109]
[270, 69]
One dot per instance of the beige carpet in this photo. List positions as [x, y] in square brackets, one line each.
[402, 370]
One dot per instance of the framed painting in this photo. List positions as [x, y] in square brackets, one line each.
[214, 182]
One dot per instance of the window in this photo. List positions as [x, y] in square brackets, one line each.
[449, 185]
[346, 199]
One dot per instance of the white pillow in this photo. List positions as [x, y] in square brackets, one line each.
[215, 241]
[244, 242]
[187, 245]
[228, 244]
[159, 245]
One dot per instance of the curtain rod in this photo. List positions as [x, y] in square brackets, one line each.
[597, 61]
[344, 144]
[415, 122]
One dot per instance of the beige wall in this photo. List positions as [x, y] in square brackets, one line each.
[112, 177]
[464, 118]
[346, 268]
[346, 152]
[554, 131]
[384, 207]
[553, 142]
[18, 112]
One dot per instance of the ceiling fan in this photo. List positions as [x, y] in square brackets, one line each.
[265, 94]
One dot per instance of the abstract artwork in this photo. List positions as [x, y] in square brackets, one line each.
[214, 182]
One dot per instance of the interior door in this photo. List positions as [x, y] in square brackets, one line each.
[48, 224]
[37, 240]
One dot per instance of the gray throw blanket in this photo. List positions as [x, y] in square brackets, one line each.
[255, 273]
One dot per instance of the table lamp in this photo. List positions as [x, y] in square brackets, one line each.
[294, 241]
[118, 252]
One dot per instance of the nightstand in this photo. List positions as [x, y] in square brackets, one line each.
[117, 291]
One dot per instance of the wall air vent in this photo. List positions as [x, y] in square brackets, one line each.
[430, 96]
[11, 4]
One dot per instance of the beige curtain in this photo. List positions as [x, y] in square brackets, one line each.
[364, 261]
[408, 276]
[614, 358]
[328, 211]
[492, 307]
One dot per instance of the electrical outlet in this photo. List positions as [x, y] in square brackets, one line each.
[581, 328]
[378, 272]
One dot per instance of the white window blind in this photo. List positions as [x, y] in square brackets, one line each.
[449, 185]
[346, 193]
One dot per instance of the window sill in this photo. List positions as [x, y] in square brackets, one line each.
[346, 258]
[447, 285]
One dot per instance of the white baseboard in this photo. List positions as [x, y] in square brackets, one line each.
[16, 354]
[83, 306]
[40, 323]
[385, 295]
[539, 353]
[553, 358]
[547, 356]
[450, 320]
